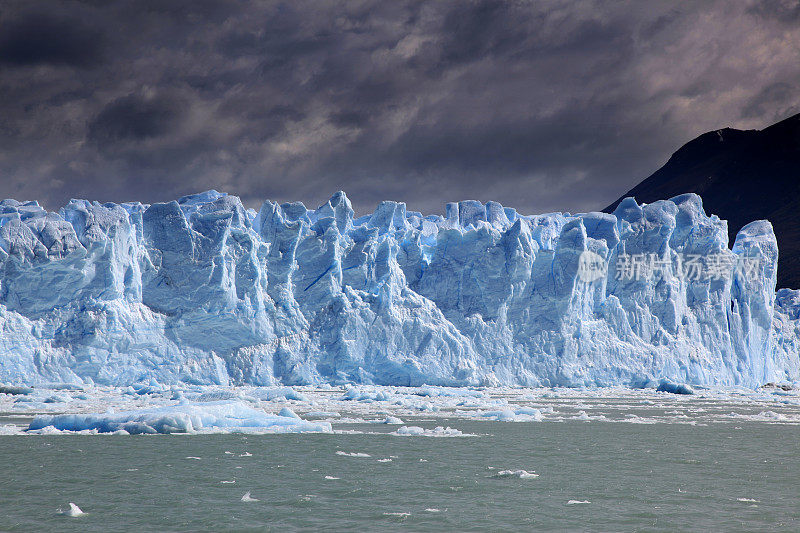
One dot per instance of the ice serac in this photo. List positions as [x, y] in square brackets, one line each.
[203, 290]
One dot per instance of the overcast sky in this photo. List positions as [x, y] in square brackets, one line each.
[542, 106]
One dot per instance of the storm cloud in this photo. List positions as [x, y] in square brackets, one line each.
[539, 105]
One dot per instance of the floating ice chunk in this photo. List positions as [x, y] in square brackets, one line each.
[154, 388]
[365, 395]
[195, 458]
[438, 431]
[56, 399]
[248, 498]
[532, 411]
[331, 478]
[747, 500]
[285, 393]
[15, 390]
[392, 420]
[576, 502]
[352, 454]
[288, 413]
[225, 416]
[387, 460]
[401, 516]
[73, 512]
[633, 419]
[410, 430]
[768, 416]
[433, 510]
[522, 414]
[521, 474]
[674, 388]
[8, 429]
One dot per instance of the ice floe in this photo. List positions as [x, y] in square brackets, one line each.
[352, 454]
[438, 431]
[218, 416]
[120, 411]
[521, 474]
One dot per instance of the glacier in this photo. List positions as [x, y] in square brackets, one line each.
[204, 291]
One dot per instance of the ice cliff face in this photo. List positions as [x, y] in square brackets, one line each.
[203, 290]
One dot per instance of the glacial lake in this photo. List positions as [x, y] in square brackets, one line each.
[607, 460]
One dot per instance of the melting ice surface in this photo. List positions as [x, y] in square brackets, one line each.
[204, 291]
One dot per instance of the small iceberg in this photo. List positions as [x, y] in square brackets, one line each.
[438, 431]
[521, 474]
[15, 390]
[577, 502]
[73, 512]
[288, 413]
[674, 388]
[365, 395]
[248, 498]
[352, 454]
[400, 516]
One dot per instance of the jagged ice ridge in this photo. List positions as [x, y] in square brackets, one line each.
[205, 291]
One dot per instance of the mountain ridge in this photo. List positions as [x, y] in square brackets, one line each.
[742, 175]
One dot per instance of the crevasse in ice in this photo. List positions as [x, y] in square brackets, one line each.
[205, 291]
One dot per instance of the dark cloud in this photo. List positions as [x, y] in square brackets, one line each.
[543, 106]
[135, 118]
[779, 99]
[41, 39]
[784, 11]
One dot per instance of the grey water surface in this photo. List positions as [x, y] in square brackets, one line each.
[636, 477]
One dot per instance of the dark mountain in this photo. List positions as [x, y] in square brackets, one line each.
[742, 176]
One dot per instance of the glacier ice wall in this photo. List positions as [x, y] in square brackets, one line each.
[203, 290]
